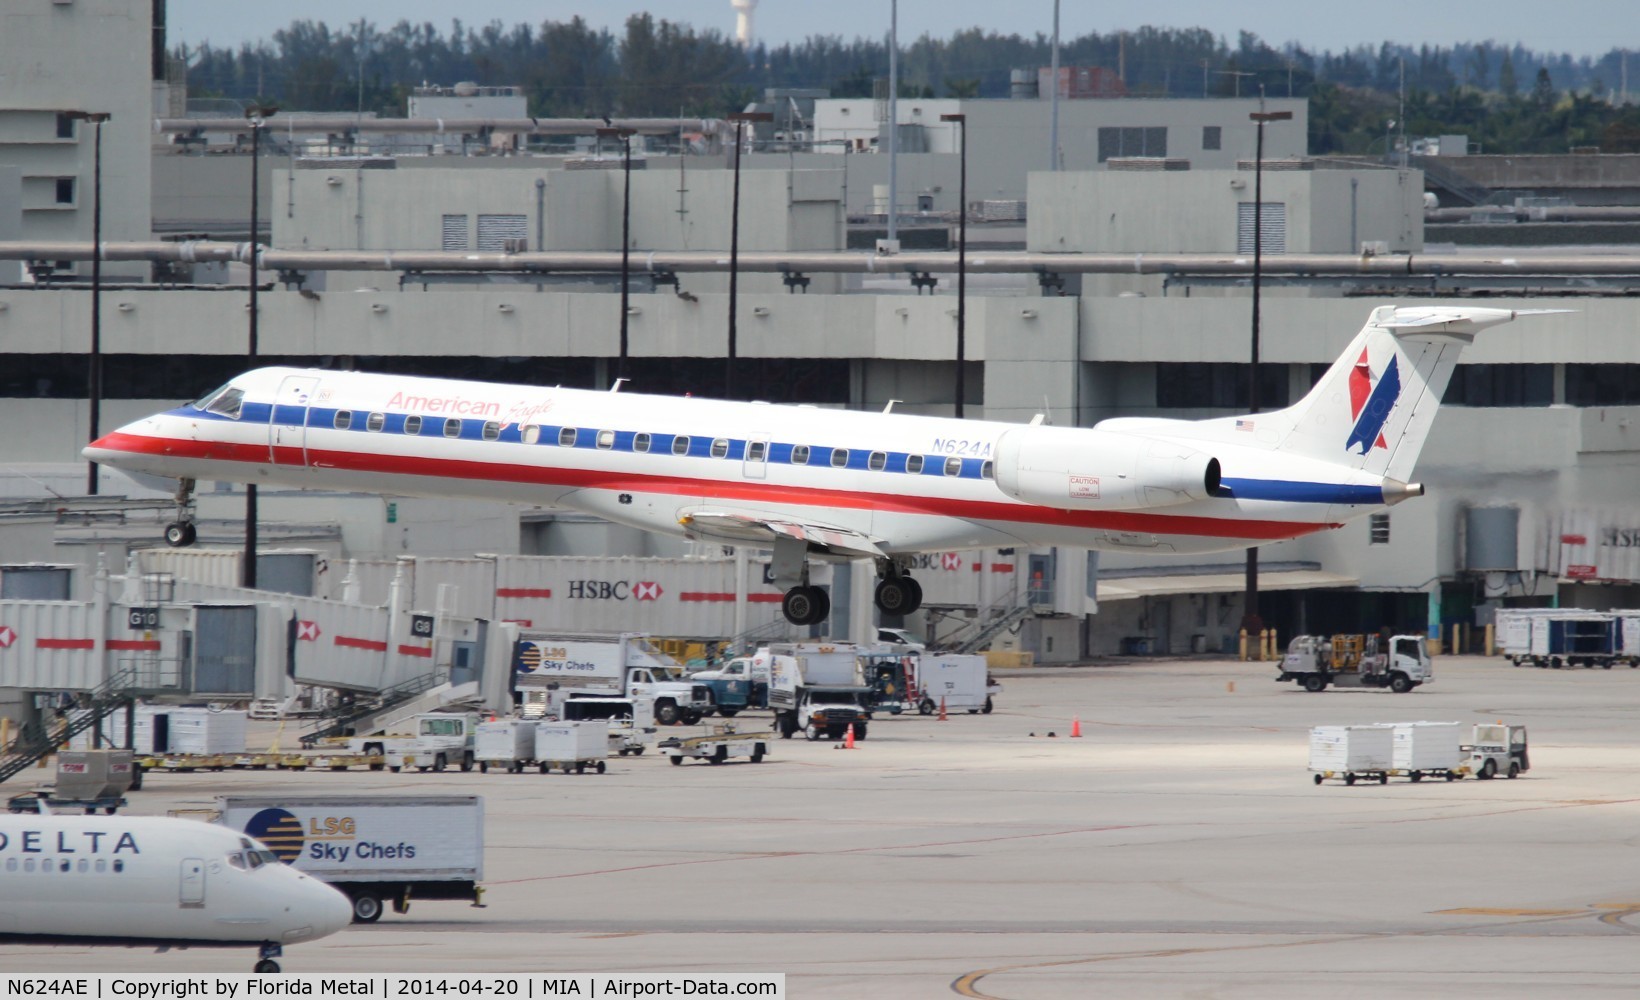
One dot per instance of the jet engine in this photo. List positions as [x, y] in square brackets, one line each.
[1075, 469]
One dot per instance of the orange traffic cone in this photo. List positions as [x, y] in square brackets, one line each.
[942, 708]
[848, 741]
[1076, 725]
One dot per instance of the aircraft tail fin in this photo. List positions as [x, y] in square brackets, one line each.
[1373, 409]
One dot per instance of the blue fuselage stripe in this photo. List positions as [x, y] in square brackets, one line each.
[1295, 492]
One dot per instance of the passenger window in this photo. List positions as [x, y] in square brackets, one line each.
[953, 466]
[566, 437]
[344, 419]
[412, 424]
[988, 470]
[376, 421]
[756, 450]
[800, 454]
[606, 440]
[452, 427]
[914, 464]
[640, 443]
[531, 434]
[720, 448]
[877, 462]
[492, 430]
[839, 458]
[680, 445]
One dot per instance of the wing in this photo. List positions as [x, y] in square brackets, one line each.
[736, 528]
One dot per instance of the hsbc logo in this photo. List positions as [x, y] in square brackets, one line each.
[613, 590]
[950, 560]
[7, 636]
[307, 631]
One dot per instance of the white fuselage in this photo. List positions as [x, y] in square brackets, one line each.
[909, 483]
[154, 879]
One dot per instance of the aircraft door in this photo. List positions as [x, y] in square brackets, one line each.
[287, 420]
[756, 465]
[191, 887]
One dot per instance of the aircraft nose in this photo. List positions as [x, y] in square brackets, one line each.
[332, 910]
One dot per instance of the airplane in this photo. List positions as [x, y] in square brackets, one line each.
[835, 484]
[153, 880]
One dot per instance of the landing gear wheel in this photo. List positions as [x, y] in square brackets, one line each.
[805, 605]
[895, 595]
[367, 909]
[180, 534]
[267, 965]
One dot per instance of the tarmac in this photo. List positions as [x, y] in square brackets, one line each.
[1178, 847]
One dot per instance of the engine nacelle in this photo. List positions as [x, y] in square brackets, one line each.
[1076, 469]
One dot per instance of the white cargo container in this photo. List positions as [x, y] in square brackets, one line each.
[961, 683]
[571, 746]
[1352, 752]
[506, 743]
[377, 849]
[1425, 749]
[173, 729]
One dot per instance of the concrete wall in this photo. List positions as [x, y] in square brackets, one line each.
[90, 55]
[1196, 211]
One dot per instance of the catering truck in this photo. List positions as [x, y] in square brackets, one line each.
[815, 689]
[1367, 661]
[437, 740]
[378, 849]
[623, 664]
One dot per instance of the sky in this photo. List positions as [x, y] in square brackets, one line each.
[1582, 27]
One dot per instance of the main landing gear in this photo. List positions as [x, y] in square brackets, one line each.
[180, 533]
[897, 593]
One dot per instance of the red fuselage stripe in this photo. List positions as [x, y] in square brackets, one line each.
[756, 492]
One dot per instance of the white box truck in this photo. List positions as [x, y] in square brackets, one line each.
[622, 663]
[378, 849]
[437, 740]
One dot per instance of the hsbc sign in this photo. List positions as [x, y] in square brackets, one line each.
[614, 590]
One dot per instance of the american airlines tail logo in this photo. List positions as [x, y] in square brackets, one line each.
[1371, 404]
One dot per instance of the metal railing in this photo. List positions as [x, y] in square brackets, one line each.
[37, 742]
[345, 715]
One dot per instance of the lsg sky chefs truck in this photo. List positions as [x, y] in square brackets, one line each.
[378, 849]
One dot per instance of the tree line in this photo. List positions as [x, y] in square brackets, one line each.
[1507, 99]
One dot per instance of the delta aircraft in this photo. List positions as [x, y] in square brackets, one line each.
[827, 484]
[155, 881]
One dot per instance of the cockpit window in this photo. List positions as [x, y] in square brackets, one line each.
[226, 401]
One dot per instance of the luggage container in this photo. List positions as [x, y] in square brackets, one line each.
[569, 746]
[504, 743]
[1426, 750]
[1352, 752]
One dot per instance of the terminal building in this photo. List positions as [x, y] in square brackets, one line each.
[1529, 472]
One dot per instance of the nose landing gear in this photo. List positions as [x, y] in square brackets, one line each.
[265, 959]
[180, 533]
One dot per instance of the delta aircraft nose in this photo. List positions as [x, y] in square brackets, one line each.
[319, 911]
[333, 912]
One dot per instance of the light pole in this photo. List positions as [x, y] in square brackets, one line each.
[740, 118]
[1250, 616]
[961, 121]
[94, 377]
[257, 114]
[625, 135]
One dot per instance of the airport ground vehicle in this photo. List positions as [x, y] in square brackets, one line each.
[1315, 661]
[631, 728]
[624, 663]
[717, 746]
[1556, 637]
[1498, 749]
[815, 689]
[741, 683]
[571, 746]
[1353, 753]
[504, 743]
[377, 849]
[439, 740]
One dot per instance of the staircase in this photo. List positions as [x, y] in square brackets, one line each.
[1438, 175]
[35, 744]
[424, 693]
[1003, 613]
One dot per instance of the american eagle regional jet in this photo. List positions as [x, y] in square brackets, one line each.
[813, 483]
[150, 880]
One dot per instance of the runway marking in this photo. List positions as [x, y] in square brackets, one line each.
[812, 854]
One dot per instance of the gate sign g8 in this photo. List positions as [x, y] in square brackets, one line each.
[421, 626]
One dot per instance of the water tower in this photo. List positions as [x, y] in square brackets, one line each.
[743, 21]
